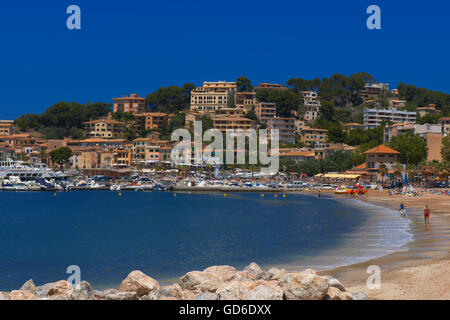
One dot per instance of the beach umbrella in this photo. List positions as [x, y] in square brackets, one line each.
[406, 179]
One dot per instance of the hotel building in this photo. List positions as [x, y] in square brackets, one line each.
[134, 104]
[286, 129]
[312, 106]
[6, 127]
[311, 136]
[151, 120]
[209, 100]
[104, 128]
[374, 117]
[265, 111]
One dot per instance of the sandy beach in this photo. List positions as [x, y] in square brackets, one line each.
[423, 271]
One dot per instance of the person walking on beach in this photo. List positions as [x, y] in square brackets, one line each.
[426, 213]
[318, 195]
[402, 210]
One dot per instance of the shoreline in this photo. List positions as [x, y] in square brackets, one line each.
[421, 272]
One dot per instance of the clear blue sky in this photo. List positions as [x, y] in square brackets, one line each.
[138, 46]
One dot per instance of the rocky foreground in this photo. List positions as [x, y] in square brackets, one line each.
[213, 283]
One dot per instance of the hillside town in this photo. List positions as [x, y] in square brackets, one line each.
[134, 135]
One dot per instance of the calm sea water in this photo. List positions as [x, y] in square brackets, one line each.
[108, 236]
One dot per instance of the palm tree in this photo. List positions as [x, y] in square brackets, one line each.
[382, 170]
[411, 170]
[398, 168]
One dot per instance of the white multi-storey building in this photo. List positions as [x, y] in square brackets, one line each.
[374, 117]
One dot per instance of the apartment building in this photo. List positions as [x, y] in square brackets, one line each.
[219, 85]
[151, 120]
[286, 129]
[325, 149]
[265, 111]
[245, 100]
[18, 140]
[104, 128]
[397, 129]
[374, 117]
[209, 100]
[121, 158]
[270, 86]
[445, 125]
[311, 136]
[296, 154]
[134, 104]
[147, 151]
[430, 109]
[432, 133]
[372, 91]
[224, 123]
[103, 143]
[6, 127]
[381, 155]
[230, 112]
[91, 158]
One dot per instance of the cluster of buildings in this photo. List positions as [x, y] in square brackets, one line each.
[105, 148]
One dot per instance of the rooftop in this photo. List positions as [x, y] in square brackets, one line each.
[381, 149]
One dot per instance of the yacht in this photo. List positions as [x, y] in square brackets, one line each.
[9, 168]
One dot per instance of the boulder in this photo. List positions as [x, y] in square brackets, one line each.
[101, 295]
[122, 296]
[82, 291]
[29, 285]
[254, 270]
[54, 289]
[334, 293]
[22, 295]
[222, 273]
[333, 282]
[4, 295]
[306, 285]
[360, 296]
[207, 296]
[140, 283]
[173, 290]
[154, 295]
[273, 274]
[201, 281]
[265, 291]
[235, 290]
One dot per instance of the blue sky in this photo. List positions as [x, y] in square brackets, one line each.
[139, 46]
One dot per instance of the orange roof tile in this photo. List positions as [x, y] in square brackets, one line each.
[381, 149]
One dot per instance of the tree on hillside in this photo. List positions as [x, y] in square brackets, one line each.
[61, 156]
[286, 100]
[170, 99]
[412, 147]
[243, 84]
[28, 122]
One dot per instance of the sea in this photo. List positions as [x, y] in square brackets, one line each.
[108, 234]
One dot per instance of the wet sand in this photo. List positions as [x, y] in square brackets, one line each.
[420, 273]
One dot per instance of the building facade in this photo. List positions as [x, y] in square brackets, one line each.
[285, 127]
[104, 128]
[134, 104]
[374, 117]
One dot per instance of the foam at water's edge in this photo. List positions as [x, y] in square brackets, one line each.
[383, 233]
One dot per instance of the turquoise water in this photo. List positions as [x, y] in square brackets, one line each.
[108, 236]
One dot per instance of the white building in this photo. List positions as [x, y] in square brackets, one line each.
[374, 117]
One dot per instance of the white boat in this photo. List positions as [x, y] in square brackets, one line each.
[9, 168]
